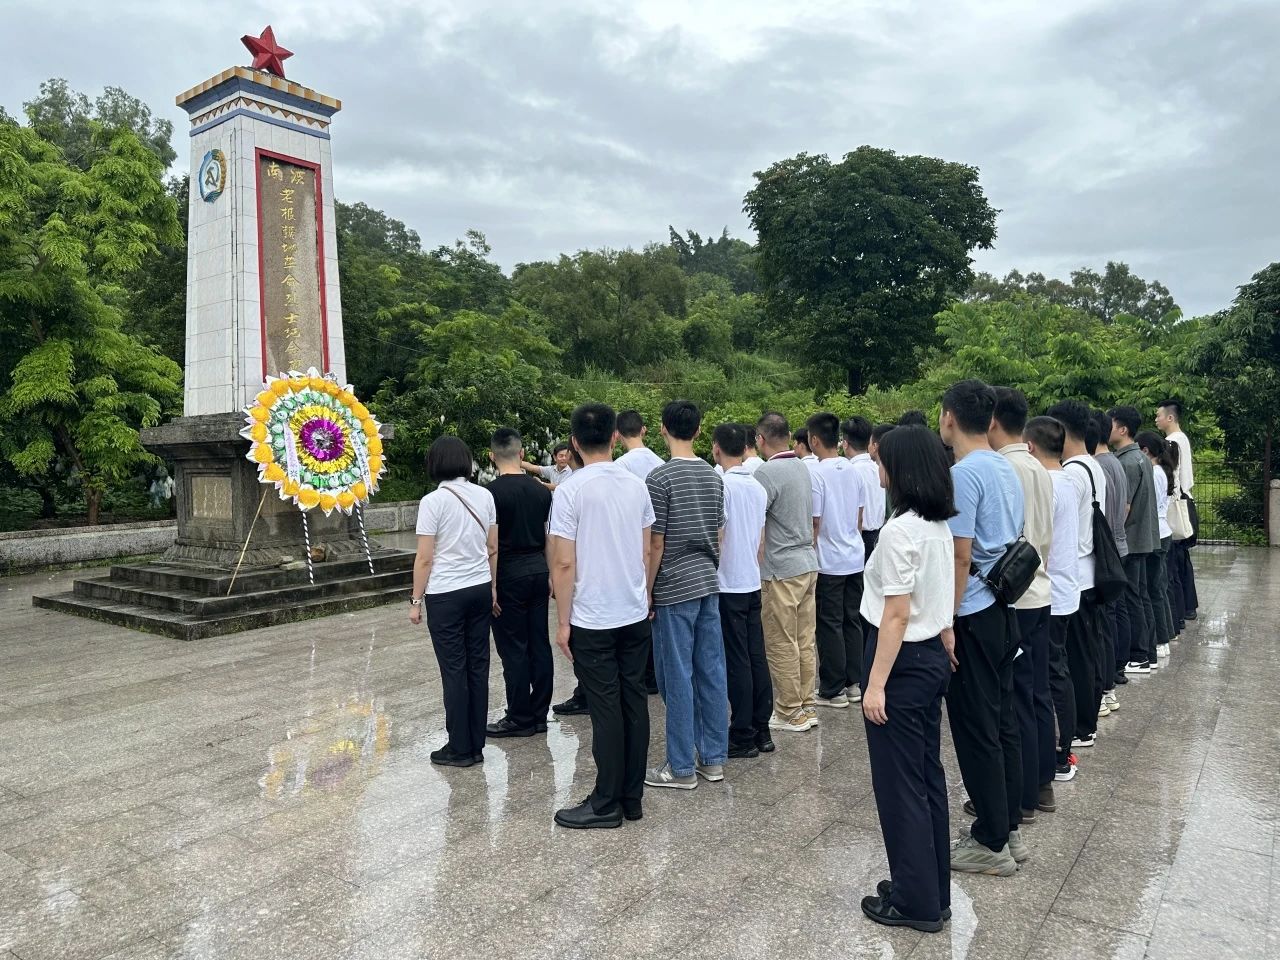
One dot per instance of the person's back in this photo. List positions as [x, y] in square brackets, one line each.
[523, 505]
[788, 529]
[640, 462]
[840, 549]
[688, 499]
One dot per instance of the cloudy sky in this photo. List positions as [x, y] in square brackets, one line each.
[1104, 129]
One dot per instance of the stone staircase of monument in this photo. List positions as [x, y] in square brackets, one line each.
[190, 603]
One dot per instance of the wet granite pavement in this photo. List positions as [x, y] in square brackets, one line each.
[269, 795]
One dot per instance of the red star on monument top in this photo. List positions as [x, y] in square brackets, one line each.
[267, 54]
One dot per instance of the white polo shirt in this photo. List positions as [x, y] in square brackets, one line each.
[1063, 564]
[1085, 505]
[606, 512]
[916, 557]
[872, 493]
[837, 498]
[640, 461]
[745, 503]
[461, 556]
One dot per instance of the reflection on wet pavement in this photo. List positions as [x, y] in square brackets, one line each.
[269, 795]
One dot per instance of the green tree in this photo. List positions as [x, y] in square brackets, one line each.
[1115, 292]
[69, 120]
[75, 388]
[726, 257]
[856, 257]
[156, 309]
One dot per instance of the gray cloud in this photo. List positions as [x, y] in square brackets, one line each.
[1140, 131]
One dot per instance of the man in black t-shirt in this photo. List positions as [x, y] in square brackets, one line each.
[520, 630]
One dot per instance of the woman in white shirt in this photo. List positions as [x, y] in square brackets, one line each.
[1157, 450]
[908, 595]
[455, 578]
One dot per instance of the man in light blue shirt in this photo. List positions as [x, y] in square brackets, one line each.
[984, 641]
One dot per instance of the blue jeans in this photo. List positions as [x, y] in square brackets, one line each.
[688, 657]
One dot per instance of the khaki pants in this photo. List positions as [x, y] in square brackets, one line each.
[788, 617]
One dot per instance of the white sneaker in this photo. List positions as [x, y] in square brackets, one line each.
[1156, 664]
[1103, 709]
[812, 714]
[1111, 700]
[797, 724]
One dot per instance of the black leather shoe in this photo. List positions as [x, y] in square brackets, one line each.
[584, 817]
[885, 887]
[507, 728]
[881, 911]
[1191, 615]
[445, 757]
[747, 751]
[633, 811]
[764, 743]
[570, 708]
[540, 728]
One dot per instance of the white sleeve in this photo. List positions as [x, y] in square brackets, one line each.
[896, 558]
[564, 514]
[428, 517]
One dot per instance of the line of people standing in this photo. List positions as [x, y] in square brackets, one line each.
[839, 564]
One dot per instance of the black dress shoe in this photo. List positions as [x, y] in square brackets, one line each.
[746, 751]
[540, 727]
[445, 757]
[478, 756]
[506, 727]
[1191, 615]
[764, 743]
[633, 811]
[885, 887]
[570, 708]
[881, 911]
[584, 817]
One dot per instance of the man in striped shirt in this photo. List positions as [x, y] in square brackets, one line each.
[688, 652]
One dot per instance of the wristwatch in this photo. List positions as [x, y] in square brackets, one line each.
[415, 603]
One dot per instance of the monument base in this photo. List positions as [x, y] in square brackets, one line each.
[191, 592]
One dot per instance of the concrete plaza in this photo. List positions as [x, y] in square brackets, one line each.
[268, 795]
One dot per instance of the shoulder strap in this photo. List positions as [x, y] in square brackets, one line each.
[1089, 473]
[466, 506]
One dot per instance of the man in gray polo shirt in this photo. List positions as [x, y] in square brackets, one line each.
[788, 576]
[1142, 531]
[1117, 611]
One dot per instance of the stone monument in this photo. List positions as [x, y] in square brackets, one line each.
[262, 298]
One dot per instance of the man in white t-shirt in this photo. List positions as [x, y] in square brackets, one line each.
[750, 688]
[638, 459]
[600, 525]
[857, 447]
[1044, 438]
[1169, 422]
[838, 503]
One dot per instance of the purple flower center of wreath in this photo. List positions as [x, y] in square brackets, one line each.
[322, 439]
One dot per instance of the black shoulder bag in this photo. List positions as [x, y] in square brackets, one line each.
[1011, 575]
[1109, 580]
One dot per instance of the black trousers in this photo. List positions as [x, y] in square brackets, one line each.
[1119, 610]
[1034, 703]
[1082, 650]
[907, 778]
[1142, 644]
[839, 632]
[459, 625]
[1060, 686]
[750, 689]
[869, 540]
[1103, 642]
[1177, 602]
[1190, 599]
[521, 637]
[610, 666]
[984, 723]
[1158, 590]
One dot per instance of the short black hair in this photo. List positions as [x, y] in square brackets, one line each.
[913, 418]
[857, 433]
[592, 425]
[1010, 410]
[750, 433]
[630, 423]
[1151, 442]
[826, 428]
[682, 418]
[449, 459]
[919, 475]
[879, 431]
[1173, 406]
[505, 443]
[801, 436]
[730, 438]
[1073, 415]
[1093, 435]
[1128, 417]
[561, 446]
[774, 427]
[971, 402]
[1101, 423]
[1047, 434]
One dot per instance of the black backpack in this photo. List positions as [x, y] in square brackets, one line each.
[1109, 579]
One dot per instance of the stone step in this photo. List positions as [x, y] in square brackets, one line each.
[214, 582]
[174, 598]
[190, 627]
